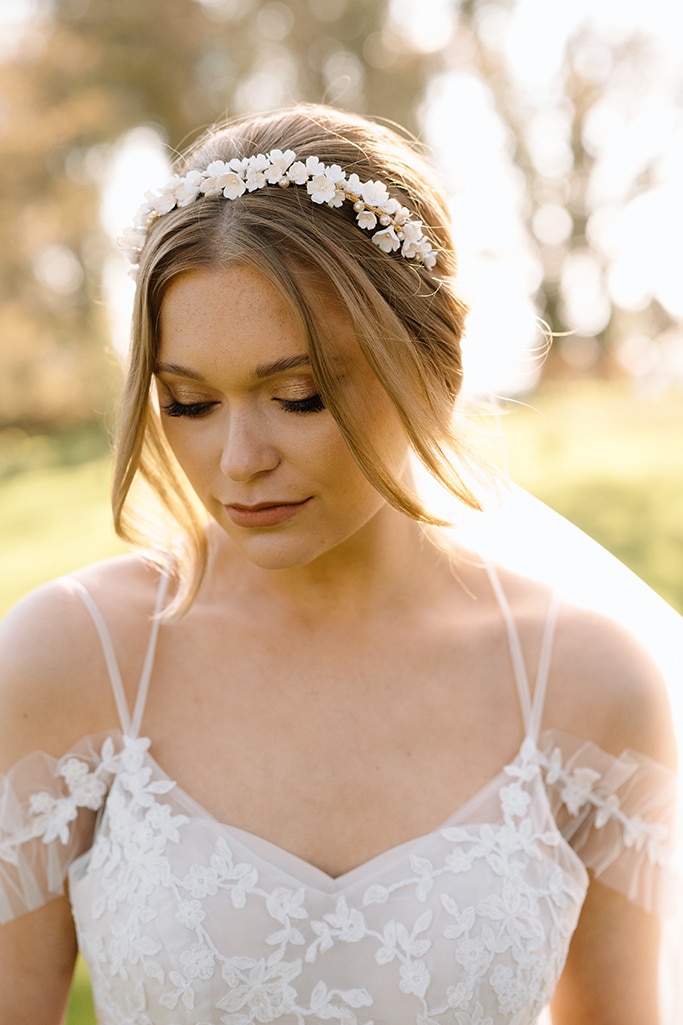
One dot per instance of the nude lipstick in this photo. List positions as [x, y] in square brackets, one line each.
[263, 514]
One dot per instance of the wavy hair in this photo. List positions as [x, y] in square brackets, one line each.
[408, 320]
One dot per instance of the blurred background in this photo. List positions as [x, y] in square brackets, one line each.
[557, 128]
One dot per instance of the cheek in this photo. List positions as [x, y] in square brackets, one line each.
[355, 496]
[385, 440]
[192, 450]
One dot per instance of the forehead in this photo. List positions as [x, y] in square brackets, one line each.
[232, 300]
[238, 311]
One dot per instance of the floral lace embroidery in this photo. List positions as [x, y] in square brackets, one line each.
[582, 789]
[50, 817]
[472, 928]
[506, 948]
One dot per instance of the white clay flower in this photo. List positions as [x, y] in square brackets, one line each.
[297, 173]
[335, 174]
[429, 259]
[258, 163]
[188, 188]
[161, 202]
[325, 185]
[279, 162]
[321, 189]
[256, 173]
[314, 166]
[387, 240]
[212, 184]
[366, 219]
[338, 199]
[375, 193]
[233, 186]
[131, 242]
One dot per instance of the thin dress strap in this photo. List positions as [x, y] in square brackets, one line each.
[543, 671]
[532, 710]
[130, 727]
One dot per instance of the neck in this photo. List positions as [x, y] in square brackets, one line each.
[386, 567]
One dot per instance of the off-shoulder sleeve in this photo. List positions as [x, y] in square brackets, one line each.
[48, 811]
[619, 815]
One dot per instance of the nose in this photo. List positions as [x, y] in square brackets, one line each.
[247, 450]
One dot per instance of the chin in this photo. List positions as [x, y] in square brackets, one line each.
[273, 553]
[294, 547]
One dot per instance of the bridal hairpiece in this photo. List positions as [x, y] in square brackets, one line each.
[392, 225]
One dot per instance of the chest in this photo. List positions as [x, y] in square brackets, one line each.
[370, 745]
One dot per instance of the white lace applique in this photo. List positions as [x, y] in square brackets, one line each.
[470, 925]
[51, 817]
[583, 789]
[186, 922]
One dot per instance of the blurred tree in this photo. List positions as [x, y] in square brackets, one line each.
[88, 71]
[590, 128]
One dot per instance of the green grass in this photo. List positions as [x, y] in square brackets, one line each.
[54, 507]
[53, 520]
[80, 1010]
[611, 463]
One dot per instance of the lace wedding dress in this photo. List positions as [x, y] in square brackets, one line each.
[185, 920]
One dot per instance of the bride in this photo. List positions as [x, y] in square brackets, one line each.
[307, 754]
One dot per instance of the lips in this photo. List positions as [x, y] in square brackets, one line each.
[263, 514]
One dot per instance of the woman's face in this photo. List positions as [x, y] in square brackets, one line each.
[241, 411]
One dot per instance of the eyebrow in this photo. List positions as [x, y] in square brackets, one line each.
[278, 366]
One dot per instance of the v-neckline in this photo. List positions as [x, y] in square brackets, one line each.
[305, 873]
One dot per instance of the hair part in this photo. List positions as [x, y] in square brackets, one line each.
[408, 321]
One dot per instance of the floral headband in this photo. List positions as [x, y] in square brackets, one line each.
[392, 225]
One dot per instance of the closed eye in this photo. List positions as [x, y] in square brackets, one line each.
[193, 410]
[312, 404]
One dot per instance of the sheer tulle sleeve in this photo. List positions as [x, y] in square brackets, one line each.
[48, 811]
[619, 815]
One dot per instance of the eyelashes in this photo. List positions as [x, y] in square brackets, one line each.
[313, 404]
[197, 410]
[192, 410]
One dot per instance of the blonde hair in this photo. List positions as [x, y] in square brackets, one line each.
[408, 320]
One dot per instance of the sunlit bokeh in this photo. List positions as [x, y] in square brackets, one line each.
[138, 162]
[634, 195]
[635, 192]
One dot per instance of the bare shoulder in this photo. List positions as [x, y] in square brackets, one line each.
[54, 686]
[603, 684]
[606, 686]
